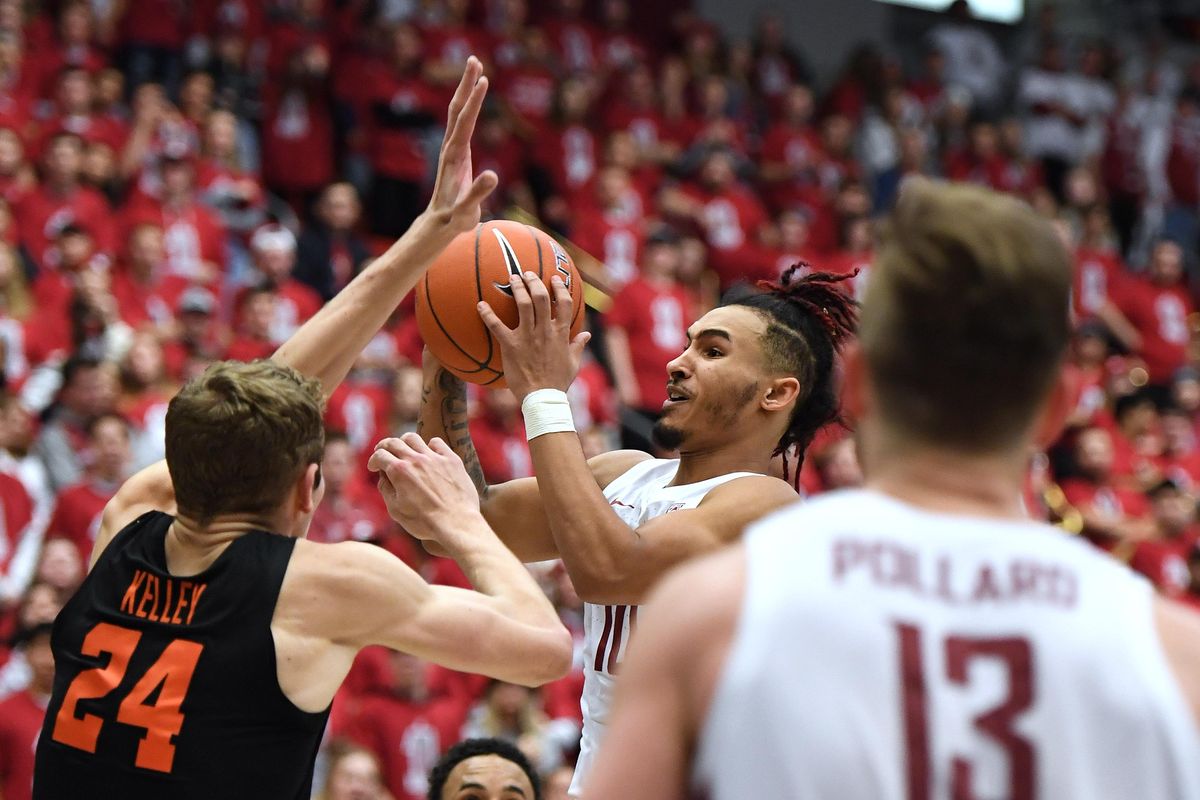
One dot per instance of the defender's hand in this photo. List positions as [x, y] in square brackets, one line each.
[425, 486]
[539, 353]
[454, 206]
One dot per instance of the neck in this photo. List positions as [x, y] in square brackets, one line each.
[949, 482]
[701, 465]
[217, 532]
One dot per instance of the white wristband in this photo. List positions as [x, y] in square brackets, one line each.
[546, 411]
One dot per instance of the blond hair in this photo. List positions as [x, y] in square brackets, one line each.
[965, 321]
[240, 435]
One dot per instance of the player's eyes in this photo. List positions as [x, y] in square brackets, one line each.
[713, 352]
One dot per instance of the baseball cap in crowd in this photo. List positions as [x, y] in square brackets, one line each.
[197, 301]
[272, 237]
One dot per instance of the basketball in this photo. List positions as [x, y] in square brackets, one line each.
[477, 266]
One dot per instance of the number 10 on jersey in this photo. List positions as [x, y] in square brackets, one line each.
[997, 723]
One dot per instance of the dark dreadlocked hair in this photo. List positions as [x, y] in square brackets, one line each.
[809, 317]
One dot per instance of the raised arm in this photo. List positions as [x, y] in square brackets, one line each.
[608, 561]
[326, 346]
[513, 509]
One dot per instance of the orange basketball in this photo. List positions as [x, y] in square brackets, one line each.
[476, 266]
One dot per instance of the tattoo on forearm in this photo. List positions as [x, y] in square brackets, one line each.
[454, 424]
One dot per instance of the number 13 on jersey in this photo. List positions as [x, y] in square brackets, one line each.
[953, 660]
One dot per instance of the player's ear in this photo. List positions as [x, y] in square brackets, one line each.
[308, 489]
[781, 394]
[1064, 396]
[854, 384]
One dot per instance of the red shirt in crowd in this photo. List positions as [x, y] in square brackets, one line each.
[297, 139]
[408, 737]
[295, 304]
[140, 303]
[160, 23]
[503, 452]
[1160, 315]
[360, 410]
[654, 317]
[1098, 278]
[16, 511]
[1122, 502]
[245, 348]
[77, 514]
[398, 107]
[569, 154]
[615, 239]
[529, 89]
[192, 236]
[43, 212]
[21, 718]
[1164, 562]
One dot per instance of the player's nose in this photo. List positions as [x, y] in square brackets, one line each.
[678, 367]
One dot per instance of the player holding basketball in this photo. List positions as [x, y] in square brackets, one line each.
[922, 638]
[755, 379]
[200, 656]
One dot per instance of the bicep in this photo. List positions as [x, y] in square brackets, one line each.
[515, 511]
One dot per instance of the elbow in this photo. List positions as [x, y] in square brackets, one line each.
[553, 659]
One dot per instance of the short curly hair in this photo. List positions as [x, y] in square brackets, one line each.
[469, 748]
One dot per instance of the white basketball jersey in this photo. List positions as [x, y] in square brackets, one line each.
[638, 496]
[889, 653]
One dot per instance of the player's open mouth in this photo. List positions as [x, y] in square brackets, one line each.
[677, 395]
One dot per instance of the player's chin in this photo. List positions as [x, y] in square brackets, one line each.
[668, 436]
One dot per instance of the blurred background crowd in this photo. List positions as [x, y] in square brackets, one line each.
[183, 181]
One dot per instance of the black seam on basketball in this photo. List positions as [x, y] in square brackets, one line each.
[493, 380]
[491, 345]
[537, 242]
[442, 328]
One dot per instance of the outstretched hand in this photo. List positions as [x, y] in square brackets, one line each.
[455, 204]
[539, 353]
[425, 486]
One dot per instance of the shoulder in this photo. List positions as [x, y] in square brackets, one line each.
[607, 467]
[760, 488]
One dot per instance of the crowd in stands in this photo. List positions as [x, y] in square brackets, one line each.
[183, 181]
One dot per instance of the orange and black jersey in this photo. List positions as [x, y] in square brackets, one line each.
[166, 686]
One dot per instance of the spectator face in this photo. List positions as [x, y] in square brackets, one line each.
[798, 105]
[75, 92]
[75, 24]
[355, 776]
[612, 186]
[693, 260]
[338, 465]
[1166, 264]
[92, 392]
[220, 134]
[662, 260]
[1178, 433]
[408, 674]
[99, 164]
[839, 466]
[574, 99]
[507, 700]
[837, 134]
[196, 95]
[40, 658]
[718, 173]
[1094, 454]
[1186, 394]
[984, 140]
[64, 160]
[144, 361]
[340, 207]
[715, 97]
[258, 313]
[16, 428]
[406, 393]
[1174, 512]
[146, 250]
[40, 605]
[74, 248]
[1082, 190]
[1091, 349]
[622, 151]
[640, 86]
[12, 152]
[487, 777]
[276, 263]
[10, 46]
[108, 88]
[60, 565]
[110, 449]
[177, 178]
[406, 46]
